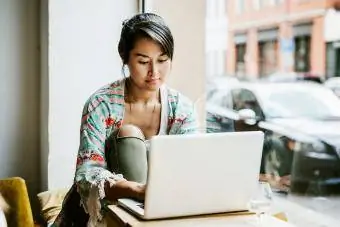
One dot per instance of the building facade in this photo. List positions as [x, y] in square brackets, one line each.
[268, 36]
[216, 34]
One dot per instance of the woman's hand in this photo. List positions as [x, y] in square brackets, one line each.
[125, 189]
[138, 190]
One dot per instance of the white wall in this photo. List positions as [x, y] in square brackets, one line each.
[81, 38]
[80, 49]
[19, 91]
[78, 55]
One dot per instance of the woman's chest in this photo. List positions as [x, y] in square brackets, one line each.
[147, 118]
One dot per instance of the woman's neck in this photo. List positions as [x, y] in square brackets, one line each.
[136, 95]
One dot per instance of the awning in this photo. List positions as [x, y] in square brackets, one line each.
[302, 29]
[267, 35]
[240, 38]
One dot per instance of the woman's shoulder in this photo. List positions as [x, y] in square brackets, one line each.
[115, 88]
[176, 97]
[112, 93]
[179, 102]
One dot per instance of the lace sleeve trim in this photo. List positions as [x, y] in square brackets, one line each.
[92, 204]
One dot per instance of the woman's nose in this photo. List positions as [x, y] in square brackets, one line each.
[153, 69]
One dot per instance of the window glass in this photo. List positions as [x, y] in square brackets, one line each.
[274, 68]
[277, 67]
[302, 49]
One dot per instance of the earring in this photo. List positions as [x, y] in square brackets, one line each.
[126, 71]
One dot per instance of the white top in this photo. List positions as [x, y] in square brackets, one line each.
[164, 114]
[164, 111]
[3, 222]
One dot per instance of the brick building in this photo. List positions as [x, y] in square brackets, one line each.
[267, 36]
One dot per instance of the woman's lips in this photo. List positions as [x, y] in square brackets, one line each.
[152, 81]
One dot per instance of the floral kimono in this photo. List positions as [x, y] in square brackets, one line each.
[84, 204]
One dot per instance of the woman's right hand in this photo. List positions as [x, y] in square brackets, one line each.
[125, 189]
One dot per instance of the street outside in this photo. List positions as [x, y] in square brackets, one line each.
[314, 208]
[311, 211]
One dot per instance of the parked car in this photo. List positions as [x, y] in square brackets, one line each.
[293, 77]
[301, 123]
[214, 95]
[334, 84]
[220, 82]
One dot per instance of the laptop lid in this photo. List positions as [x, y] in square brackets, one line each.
[202, 173]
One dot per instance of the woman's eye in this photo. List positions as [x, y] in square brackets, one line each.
[143, 62]
[162, 60]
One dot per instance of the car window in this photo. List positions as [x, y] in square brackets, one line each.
[245, 99]
[221, 99]
[301, 101]
[210, 94]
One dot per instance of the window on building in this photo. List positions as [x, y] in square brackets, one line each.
[268, 57]
[333, 59]
[337, 68]
[240, 67]
[302, 53]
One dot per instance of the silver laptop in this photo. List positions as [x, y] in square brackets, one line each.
[199, 174]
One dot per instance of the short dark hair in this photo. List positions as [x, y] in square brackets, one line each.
[145, 25]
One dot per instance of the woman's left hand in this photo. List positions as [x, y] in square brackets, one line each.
[138, 190]
[125, 189]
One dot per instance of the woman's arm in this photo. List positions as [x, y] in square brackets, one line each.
[94, 181]
[189, 124]
[186, 117]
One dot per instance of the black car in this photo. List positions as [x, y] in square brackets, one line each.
[301, 122]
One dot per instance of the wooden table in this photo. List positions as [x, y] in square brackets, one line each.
[118, 217]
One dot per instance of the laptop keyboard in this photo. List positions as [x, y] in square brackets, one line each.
[141, 205]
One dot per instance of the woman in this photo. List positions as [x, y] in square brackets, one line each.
[120, 118]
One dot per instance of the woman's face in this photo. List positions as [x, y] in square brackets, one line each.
[148, 65]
